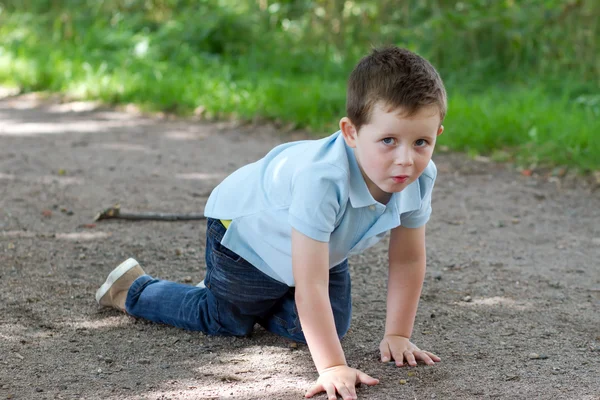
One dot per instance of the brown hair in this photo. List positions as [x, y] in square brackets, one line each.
[398, 78]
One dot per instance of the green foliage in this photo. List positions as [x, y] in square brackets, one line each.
[523, 77]
[540, 129]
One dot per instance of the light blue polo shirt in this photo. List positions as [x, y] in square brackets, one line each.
[316, 187]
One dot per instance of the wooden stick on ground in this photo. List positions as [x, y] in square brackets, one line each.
[116, 213]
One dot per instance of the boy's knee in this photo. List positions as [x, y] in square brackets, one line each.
[233, 323]
[239, 329]
[228, 318]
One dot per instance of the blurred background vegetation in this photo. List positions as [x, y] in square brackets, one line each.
[523, 77]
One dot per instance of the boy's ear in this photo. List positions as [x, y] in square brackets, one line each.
[440, 130]
[349, 132]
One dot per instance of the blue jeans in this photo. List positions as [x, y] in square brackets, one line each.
[237, 295]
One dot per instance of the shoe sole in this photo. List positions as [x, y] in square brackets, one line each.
[113, 276]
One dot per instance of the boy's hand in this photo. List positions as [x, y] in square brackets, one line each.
[341, 379]
[400, 348]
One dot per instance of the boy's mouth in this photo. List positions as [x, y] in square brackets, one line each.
[400, 178]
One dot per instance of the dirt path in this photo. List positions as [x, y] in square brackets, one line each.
[513, 270]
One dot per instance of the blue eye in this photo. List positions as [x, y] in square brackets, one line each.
[421, 143]
[387, 141]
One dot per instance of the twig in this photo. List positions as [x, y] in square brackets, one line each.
[116, 213]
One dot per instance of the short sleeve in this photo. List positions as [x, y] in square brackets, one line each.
[317, 193]
[418, 218]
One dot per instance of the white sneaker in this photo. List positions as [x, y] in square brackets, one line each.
[113, 292]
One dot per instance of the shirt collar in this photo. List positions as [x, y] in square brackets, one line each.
[407, 200]
[359, 192]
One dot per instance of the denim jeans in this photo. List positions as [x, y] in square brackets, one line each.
[237, 295]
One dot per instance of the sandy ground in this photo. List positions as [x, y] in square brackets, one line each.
[511, 300]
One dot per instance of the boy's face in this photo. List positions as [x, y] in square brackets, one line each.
[392, 150]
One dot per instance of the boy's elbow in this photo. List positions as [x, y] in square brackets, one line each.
[308, 293]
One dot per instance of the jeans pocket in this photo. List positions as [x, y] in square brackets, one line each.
[224, 253]
[224, 275]
[231, 277]
[214, 233]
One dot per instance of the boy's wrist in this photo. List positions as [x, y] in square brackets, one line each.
[398, 326]
[332, 367]
[398, 331]
[397, 335]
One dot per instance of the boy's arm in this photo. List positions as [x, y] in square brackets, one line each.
[310, 263]
[407, 260]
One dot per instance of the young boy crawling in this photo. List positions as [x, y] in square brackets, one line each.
[280, 230]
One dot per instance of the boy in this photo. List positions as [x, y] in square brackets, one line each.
[280, 230]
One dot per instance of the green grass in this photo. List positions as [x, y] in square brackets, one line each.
[535, 124]
[537, 128]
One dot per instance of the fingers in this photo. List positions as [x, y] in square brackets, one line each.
[413, 355]
[433, 357]
[423, 356]
[427, 357]
[388, 353]
[399, 357]
[385, 352]
[366, 379]
[330, 390]
[346, 392]
[314, 389]
[410, 358]
[346, 386]
[402, 350]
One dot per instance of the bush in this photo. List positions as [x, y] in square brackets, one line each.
[522, 77]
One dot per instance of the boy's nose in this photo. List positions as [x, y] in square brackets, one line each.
[404, 156]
